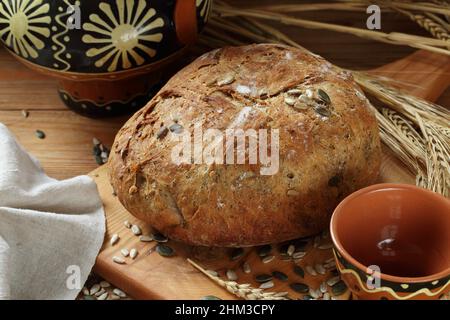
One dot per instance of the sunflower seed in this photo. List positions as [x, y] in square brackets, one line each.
[95, 141]
[332, 281]
[266, 285]
[114, 239]
[320, 269]
[89, 298]
[299, 271]
[311, 270]
[99, 293]
[326, 296]
[267, 259]
[162, 132]
[158, 237]
[324, 112]
[246, 268]
[290, 100]
[324, 96]
[261, 278]
[339, 288]
[280, 275]
[263, 251]
[136, 230]
[127, 224]
[164, 250]
[210, 298]
[133, 253]
[176, 128]
[295, 92]
[290, 250]
[316, 294]
[118, 260]
[307, 297]
[119, 293]
[299, 255]
[231, 275]
[299, 287]
[309, 93]
[236, 253]
[105, 284]
[323, 287]
[94, 289]
[85, 291]
[145, 238]
[212, 273]
[113, 297]
[25, 113]
[281, 294]
[228, 79]
[125, 252]
[40, 134]
[325, 246]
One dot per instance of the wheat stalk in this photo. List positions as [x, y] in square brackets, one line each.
[244, 291]
[435, 29]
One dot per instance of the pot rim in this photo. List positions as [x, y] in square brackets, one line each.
[378, 187]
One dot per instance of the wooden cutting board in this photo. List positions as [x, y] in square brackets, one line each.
[151, 276]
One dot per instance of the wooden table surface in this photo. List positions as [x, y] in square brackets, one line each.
[67, 149]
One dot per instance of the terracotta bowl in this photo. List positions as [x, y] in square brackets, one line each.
[109, 55]
[392, 241]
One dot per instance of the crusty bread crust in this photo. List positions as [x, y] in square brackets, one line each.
[323, 156]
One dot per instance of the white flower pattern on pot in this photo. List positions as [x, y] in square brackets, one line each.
[123, 37]
[23, 25]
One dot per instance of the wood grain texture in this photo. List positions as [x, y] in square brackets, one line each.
[152, 276]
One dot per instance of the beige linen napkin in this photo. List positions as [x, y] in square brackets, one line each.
[50, 231]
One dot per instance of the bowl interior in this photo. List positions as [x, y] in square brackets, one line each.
[404, 230]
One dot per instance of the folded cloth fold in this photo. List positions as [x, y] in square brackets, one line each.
[50, 231]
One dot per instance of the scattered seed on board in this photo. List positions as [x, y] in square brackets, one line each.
[231, 275]
[114, 239]
[105, 284]
[146, 238]
[119, 293]
[280, 275]
[291, 250]
[236, 253]
[339, 288]
[320, 269]
[133, 253]
[210, 298]
[298, 255]
[136, 230]
[299, 287]
[127, 224]
[94, 289]
[299, 271]
[263, 251]
[311, 270]
[325, 246]
[164, 250]
[118, 260]
[266, 285]
[125, 252]
[261, 278]
[267, 259]
[99, 293]
[323, 287]
[246, 268]
[40, 134]
[25, 113]
[158, 237]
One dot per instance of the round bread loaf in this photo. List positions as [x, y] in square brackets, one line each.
[328, 144]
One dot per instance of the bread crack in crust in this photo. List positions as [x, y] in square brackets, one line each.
[328, 147]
